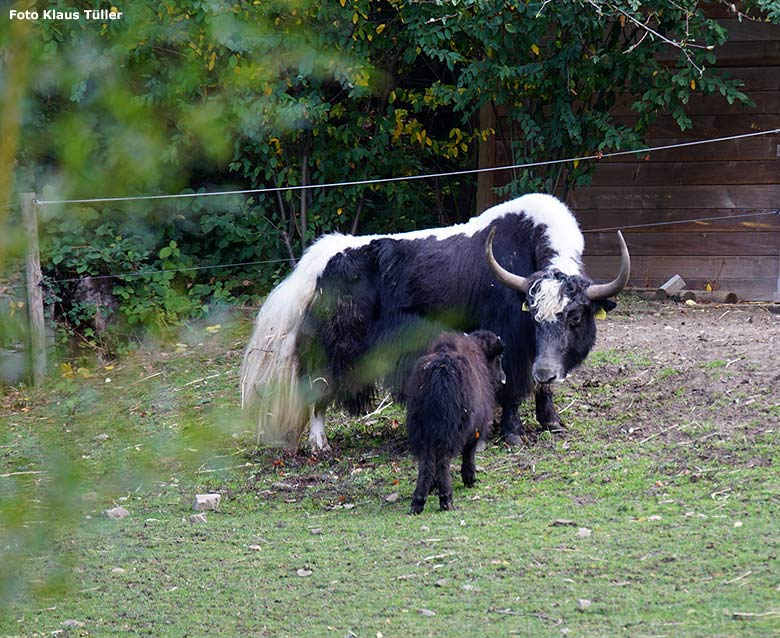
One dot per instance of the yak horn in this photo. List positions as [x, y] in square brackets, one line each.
[515, 282]
[596, 292]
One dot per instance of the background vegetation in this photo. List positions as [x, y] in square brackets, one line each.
[188, 96]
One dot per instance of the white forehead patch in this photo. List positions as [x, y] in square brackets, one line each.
[546, 300]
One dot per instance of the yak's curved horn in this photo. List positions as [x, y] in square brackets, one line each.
[596, 292]
[515, 282]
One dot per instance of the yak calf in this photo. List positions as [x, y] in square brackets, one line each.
[451, 398]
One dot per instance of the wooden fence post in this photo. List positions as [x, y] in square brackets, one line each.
[34, 290]
[486, 158]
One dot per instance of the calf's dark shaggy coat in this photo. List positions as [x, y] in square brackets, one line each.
[451, 395]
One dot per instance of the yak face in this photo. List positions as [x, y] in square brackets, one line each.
[563, 307]
[564, 324]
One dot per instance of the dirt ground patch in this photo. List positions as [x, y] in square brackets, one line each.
[661, 367]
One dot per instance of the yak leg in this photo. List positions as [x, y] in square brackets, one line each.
[512, 428]
[468, 469]
[444, 481]
[546, 415]
[425, 474]
[317, 439]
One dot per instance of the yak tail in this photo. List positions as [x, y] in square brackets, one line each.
[270, 373]
[437, 412]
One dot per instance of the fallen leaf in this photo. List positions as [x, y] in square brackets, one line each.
[426, 612]
[392, 498]
[561, 522]
[303, 573]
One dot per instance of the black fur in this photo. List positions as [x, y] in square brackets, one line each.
[378, 306]
[451, 398]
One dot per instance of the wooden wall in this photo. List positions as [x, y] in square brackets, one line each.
[725, 179]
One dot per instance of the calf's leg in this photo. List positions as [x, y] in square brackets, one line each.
[444, 481]
[426, 473]
[468, 469]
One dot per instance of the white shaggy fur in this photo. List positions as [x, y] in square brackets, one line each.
[270, 370]
[547, 300]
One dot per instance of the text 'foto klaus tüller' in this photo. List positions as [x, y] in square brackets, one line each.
[58, 14]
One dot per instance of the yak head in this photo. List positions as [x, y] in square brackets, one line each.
[563, 308]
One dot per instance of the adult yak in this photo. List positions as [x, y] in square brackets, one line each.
[359, 309]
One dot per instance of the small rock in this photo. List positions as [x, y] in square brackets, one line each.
[197, 519]
[584, 532]
[206, 502]
[426, 612]
[255, 548]
[583, 604]
[562, 522]
[442, 582]
[118, 570]
[303, 573]
[102, 437]
[392, 498]
[117, 513]
[75, 624]
[654, 517]
[316, 531]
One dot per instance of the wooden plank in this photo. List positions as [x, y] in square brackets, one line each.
[748, 31]
[732, 220]
[675, 197]
[762, 243]
[651, 272]
[764, 147]
[757, 78]
[698, 268]
[486, 158]
[766, 102]
[753, 53]
[681, 173]
[750, 53]
[708, 126]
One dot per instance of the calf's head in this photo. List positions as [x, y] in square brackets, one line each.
[563, 308]
[493, 349]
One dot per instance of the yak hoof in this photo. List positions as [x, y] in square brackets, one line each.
[319, 445]
[513, 439]
[481, 445]
[554, 427]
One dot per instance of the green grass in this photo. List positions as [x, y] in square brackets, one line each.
[683, 525]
